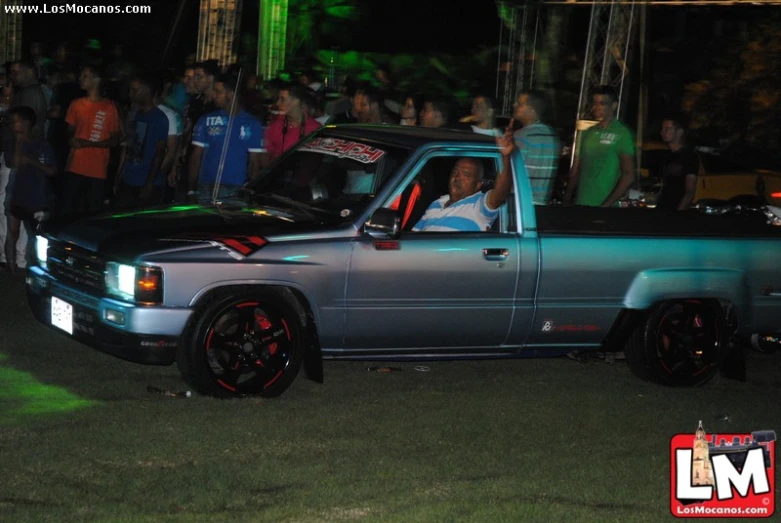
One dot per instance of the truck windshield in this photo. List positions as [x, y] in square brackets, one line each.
[332, 175]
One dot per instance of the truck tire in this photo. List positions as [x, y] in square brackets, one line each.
[242, 341]
[681, 343]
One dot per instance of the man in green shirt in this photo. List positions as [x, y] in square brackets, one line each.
[603, 169]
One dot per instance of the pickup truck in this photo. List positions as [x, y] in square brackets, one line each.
[316, 259]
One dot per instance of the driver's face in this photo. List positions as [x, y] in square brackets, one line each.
[464, 180]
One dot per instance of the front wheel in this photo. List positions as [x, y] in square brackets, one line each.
[681, 343]
[242, 343]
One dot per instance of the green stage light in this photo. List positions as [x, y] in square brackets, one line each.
[272, 37]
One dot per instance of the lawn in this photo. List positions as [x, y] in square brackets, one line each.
[81, 439]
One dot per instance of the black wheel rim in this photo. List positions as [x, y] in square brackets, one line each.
[687, 340]
[248, 347]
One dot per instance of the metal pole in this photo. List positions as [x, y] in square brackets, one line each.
[642, 107]
[534, 48]
[175, 30]
[604, 77]
[624, 69]
[586, 63]
[498, 57]
[522, 58]
[224, 152]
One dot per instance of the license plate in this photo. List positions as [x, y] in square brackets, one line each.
[62, 315]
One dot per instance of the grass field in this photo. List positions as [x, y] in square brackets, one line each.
[541, 440]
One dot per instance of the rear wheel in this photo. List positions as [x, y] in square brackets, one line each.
[681, 343]
[241, 343]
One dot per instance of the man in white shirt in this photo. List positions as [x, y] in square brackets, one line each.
[465, 208]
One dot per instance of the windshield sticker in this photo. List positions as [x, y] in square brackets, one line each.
[344, 149]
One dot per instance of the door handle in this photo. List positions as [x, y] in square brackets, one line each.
[495, 254]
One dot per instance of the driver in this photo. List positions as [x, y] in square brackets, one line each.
[465, 208]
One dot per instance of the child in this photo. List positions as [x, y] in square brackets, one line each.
[32, 160]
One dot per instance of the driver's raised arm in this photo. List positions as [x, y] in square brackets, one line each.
[504, 180]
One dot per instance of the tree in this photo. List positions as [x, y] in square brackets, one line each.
[309, 21]
[739, 100]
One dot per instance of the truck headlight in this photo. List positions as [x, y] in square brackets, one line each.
[41, 250]
[139, 284]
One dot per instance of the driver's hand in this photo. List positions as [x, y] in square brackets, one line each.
[506, 142]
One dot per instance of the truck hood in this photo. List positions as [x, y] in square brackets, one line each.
[126, 235]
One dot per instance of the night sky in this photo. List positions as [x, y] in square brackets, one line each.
[407, 26]
[401, 26]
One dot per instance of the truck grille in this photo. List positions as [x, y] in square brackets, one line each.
[76, 266]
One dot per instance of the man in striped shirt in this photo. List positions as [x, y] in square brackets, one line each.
[465, 208]
[538, 144]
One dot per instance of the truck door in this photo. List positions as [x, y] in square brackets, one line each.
[438, 290]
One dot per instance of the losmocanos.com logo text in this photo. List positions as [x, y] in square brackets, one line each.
[724, 475]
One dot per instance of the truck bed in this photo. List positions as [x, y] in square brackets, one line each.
[557, 220]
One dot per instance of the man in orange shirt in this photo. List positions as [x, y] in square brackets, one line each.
[93, 123]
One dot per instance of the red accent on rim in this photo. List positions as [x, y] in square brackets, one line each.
[248, 304]
[232, 389]
[287, 330]
[275, 378]
[263, 322]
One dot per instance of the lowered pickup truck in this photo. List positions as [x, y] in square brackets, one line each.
[317, 260]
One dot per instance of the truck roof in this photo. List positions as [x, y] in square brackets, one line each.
[405, 136]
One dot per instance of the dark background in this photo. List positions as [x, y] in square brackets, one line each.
[404, 26]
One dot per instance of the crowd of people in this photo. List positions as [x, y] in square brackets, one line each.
[84, 136]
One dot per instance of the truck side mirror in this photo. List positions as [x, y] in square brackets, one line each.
[384, 222]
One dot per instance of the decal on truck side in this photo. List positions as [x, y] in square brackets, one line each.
[237, 246]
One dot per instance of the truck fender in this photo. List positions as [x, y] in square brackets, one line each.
[657, 285]
[313, 358]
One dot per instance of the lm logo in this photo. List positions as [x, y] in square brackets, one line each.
[725, 475]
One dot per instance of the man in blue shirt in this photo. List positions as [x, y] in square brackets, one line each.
[141, 181]
[243, 147]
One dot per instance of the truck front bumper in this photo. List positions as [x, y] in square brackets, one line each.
[149, 335]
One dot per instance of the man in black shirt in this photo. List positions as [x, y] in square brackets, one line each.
[678, 167]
